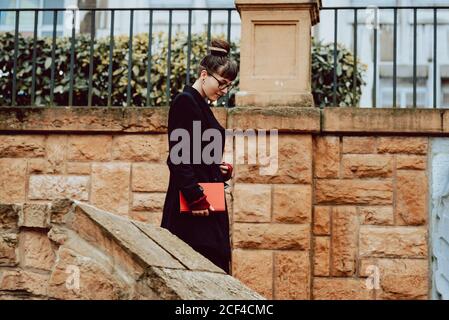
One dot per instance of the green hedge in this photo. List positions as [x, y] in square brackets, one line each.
[323, 76]
[322, 70]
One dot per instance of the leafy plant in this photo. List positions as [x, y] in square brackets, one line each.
[139, 71]
[322, 70]
[323, 76]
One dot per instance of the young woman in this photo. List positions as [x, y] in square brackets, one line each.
[204, 230]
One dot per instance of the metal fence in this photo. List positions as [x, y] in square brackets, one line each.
[112, 12]
[435, 23]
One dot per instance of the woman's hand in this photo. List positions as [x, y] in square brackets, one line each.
[201, 207]
[202, 212]
[224, 169]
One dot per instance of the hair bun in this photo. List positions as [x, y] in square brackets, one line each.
[219, 48]
[218, 52]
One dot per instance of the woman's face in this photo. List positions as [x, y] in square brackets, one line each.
[215, 85]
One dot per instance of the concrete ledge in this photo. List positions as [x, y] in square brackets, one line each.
[285, 119]
[274, 99]
[85, 119]
[102, 119]
[364, 120]
[445, 120]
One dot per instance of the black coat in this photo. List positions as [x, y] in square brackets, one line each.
[208, 235]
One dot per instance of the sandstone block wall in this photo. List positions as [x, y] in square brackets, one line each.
[344, 217]
[69, 250]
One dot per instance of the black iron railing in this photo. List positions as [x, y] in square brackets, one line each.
[437, 13]
[112, 12]
[356, 12]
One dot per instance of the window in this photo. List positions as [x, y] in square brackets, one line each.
[404, 93]
[7, 18]
[45, 27]
[47, 18]
[220, 3]
[173, 3]
[27, 18]
[404, 98]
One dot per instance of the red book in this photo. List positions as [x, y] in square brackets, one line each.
[215, 196]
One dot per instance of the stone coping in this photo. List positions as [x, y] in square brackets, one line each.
[333, 120]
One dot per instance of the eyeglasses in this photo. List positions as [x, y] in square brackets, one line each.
[221, 85]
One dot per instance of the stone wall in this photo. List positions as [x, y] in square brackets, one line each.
[370, 209]
[86, 168]
[69, 250]
[344, 217]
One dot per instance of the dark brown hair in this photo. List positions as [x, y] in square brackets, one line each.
[218, 61]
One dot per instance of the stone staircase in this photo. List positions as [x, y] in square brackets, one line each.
[68, 249]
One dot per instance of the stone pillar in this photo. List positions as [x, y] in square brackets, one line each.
[275, 52]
